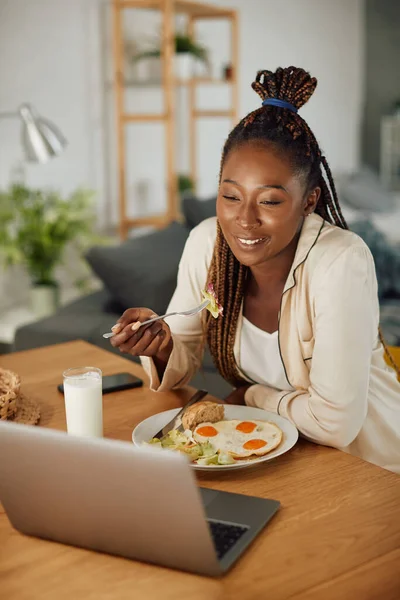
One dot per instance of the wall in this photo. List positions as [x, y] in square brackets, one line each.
[382, 80]
[54, 53]
[46, 54]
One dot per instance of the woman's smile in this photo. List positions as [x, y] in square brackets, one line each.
[250, 244]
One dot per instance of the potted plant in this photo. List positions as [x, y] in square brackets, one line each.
[36, 227]
[187, 54]
[185, 185]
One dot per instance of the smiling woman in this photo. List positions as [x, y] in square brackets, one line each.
[299, 332]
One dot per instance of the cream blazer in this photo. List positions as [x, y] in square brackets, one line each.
[344, 395]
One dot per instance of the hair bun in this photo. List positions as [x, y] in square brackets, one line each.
[291, 84]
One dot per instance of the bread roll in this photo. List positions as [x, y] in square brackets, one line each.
[202, 412]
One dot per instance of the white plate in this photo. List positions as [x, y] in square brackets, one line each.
[149, 427]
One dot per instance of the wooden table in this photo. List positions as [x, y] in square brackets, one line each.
[337, 534]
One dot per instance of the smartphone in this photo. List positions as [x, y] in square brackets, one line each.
[116, 383]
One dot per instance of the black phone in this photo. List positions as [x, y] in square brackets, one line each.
[116, 383]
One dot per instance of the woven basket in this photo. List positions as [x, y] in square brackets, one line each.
[9, 392]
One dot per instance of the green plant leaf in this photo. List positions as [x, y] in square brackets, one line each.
[183, 44]
[37, 226]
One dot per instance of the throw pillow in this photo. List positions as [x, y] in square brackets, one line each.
[141, 271]
[386, 258]
[195, 211]
[364, 191]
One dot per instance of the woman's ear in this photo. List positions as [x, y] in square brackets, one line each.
[311, 201]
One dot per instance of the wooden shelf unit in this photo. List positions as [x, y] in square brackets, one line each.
[169, 9]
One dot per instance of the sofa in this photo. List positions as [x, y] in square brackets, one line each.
[142, 272]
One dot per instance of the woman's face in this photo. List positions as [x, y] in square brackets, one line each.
[261, 204]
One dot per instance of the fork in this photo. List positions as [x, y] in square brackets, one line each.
[185, 313]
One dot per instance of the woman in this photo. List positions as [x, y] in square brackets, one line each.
[299, 334]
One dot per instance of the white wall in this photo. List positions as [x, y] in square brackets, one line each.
[46, 58]
[324, 37]
[53, 54]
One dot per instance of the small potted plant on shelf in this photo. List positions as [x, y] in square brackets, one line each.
[36, 228]
[185, 185]
[188, 55]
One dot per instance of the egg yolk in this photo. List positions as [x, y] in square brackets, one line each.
[246, 427]
[207, 431]
[254, 444]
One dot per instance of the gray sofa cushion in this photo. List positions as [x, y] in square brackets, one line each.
[95, 302]
[195, 211]
[63, 328]
[84, 319]
[386, 258]
[141, 271]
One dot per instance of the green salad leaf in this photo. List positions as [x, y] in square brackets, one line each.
[193, 451]
[225, 459]
[203, 453]
[208, 460]
[207, 449]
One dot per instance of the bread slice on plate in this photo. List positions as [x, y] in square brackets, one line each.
[202, 412]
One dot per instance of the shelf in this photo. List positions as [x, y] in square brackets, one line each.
[192, 9]
[151, 118]
[178, 82]
[143, 117]
[157, 221]
[167, 83]
[214, 113]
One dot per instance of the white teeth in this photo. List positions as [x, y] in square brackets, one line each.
[250, 242]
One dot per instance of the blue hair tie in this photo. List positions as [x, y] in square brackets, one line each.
[279, 103]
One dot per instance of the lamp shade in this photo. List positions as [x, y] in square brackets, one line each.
[41, 139]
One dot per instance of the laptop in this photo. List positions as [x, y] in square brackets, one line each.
[109, 496]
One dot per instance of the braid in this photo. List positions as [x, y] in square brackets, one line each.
[334, 196]
[290, 134]
[228, 277]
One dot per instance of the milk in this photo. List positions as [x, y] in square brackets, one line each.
[84, 401]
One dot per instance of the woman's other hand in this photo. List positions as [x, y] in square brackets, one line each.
[237, 395]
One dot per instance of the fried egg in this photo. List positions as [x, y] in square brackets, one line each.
[240, 439]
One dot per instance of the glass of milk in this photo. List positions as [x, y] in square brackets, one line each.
[84, 401]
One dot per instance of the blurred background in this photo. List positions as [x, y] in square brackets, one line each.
[143, 136]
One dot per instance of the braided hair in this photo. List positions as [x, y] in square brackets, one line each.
[288, 133]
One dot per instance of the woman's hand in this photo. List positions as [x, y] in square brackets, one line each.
[237, 396]
[152, 340]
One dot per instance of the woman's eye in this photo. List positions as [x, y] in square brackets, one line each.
[270, 202]
[230, 198]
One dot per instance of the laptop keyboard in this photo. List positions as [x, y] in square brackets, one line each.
[225, 536]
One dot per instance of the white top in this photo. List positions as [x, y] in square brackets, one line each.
[260, 358]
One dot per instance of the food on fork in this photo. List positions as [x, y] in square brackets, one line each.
[215, 308]
[209, 439]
